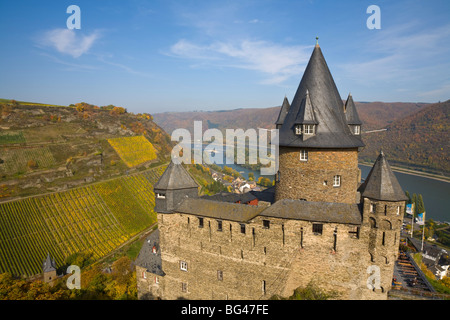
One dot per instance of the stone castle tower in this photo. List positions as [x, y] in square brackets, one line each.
[318, 224]
[318, 151]
[49, 269]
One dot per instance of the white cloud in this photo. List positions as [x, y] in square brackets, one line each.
[277, 61]
[68, 41]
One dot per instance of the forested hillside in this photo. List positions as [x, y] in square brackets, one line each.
[417, 135]
[419, 141]
[375, 115]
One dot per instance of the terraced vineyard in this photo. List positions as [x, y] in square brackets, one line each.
[95, 218]
[17, 159]
[133, 150]
[11, 137]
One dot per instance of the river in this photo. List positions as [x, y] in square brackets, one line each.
[435, 193]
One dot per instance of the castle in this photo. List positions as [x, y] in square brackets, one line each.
[319, 224]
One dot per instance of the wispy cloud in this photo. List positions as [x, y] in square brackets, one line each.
[401, 54]
[68, 41]
[278, 62]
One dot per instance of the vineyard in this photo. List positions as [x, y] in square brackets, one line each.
[133, 150]
[17, 160]
[92, 219]
[11, 137]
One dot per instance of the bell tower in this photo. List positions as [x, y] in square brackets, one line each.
[318, 151]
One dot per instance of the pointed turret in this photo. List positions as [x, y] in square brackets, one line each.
[381, 183]
[350, 112]
[351, 115]
[49, 264]
[283, 112]
[174, 186]
[332, 130]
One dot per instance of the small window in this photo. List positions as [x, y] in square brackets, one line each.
[317, 228]
[354, 233]
[398, 210]
[183, 266]
[242, 228]
[220, 275]
[144, 275]
[336, 181]
[266, 224]
[160, 196]
[308, 129]
[156, 280]
[357, 129]
[219, 225]
[303, 155]
[298, 130]
[372, 207]
[183, 287]
[200, 222]
[263, 287]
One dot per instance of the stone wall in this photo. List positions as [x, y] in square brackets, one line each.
[274, 256]
[313, 179]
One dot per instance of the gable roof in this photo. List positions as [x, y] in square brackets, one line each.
[314, 211]
[218, 209]
[381, 183]
[306, 113]
[175, 177]
[332, 130]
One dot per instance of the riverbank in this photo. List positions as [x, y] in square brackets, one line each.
[413, 172]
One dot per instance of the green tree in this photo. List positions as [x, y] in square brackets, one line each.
[420, 205]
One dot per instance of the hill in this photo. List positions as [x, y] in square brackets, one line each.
[93, 220]
[419, 141]
[374, 115]
[47, 148]
[416, 137]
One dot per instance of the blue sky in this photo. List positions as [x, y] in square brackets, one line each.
[156, 56]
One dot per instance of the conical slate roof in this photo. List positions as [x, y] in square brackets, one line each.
[49, 264]
[350, 112]
[283, 111]
[175, 177]
[332, 130]
[381, 183]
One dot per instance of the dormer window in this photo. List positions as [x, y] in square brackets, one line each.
[357, 130]
[160, 196]
[298, 130]
[308, 129]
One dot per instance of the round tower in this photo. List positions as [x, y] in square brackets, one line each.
[318, 151]
[383, 203]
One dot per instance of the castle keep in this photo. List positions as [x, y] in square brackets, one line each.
[318, 224]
